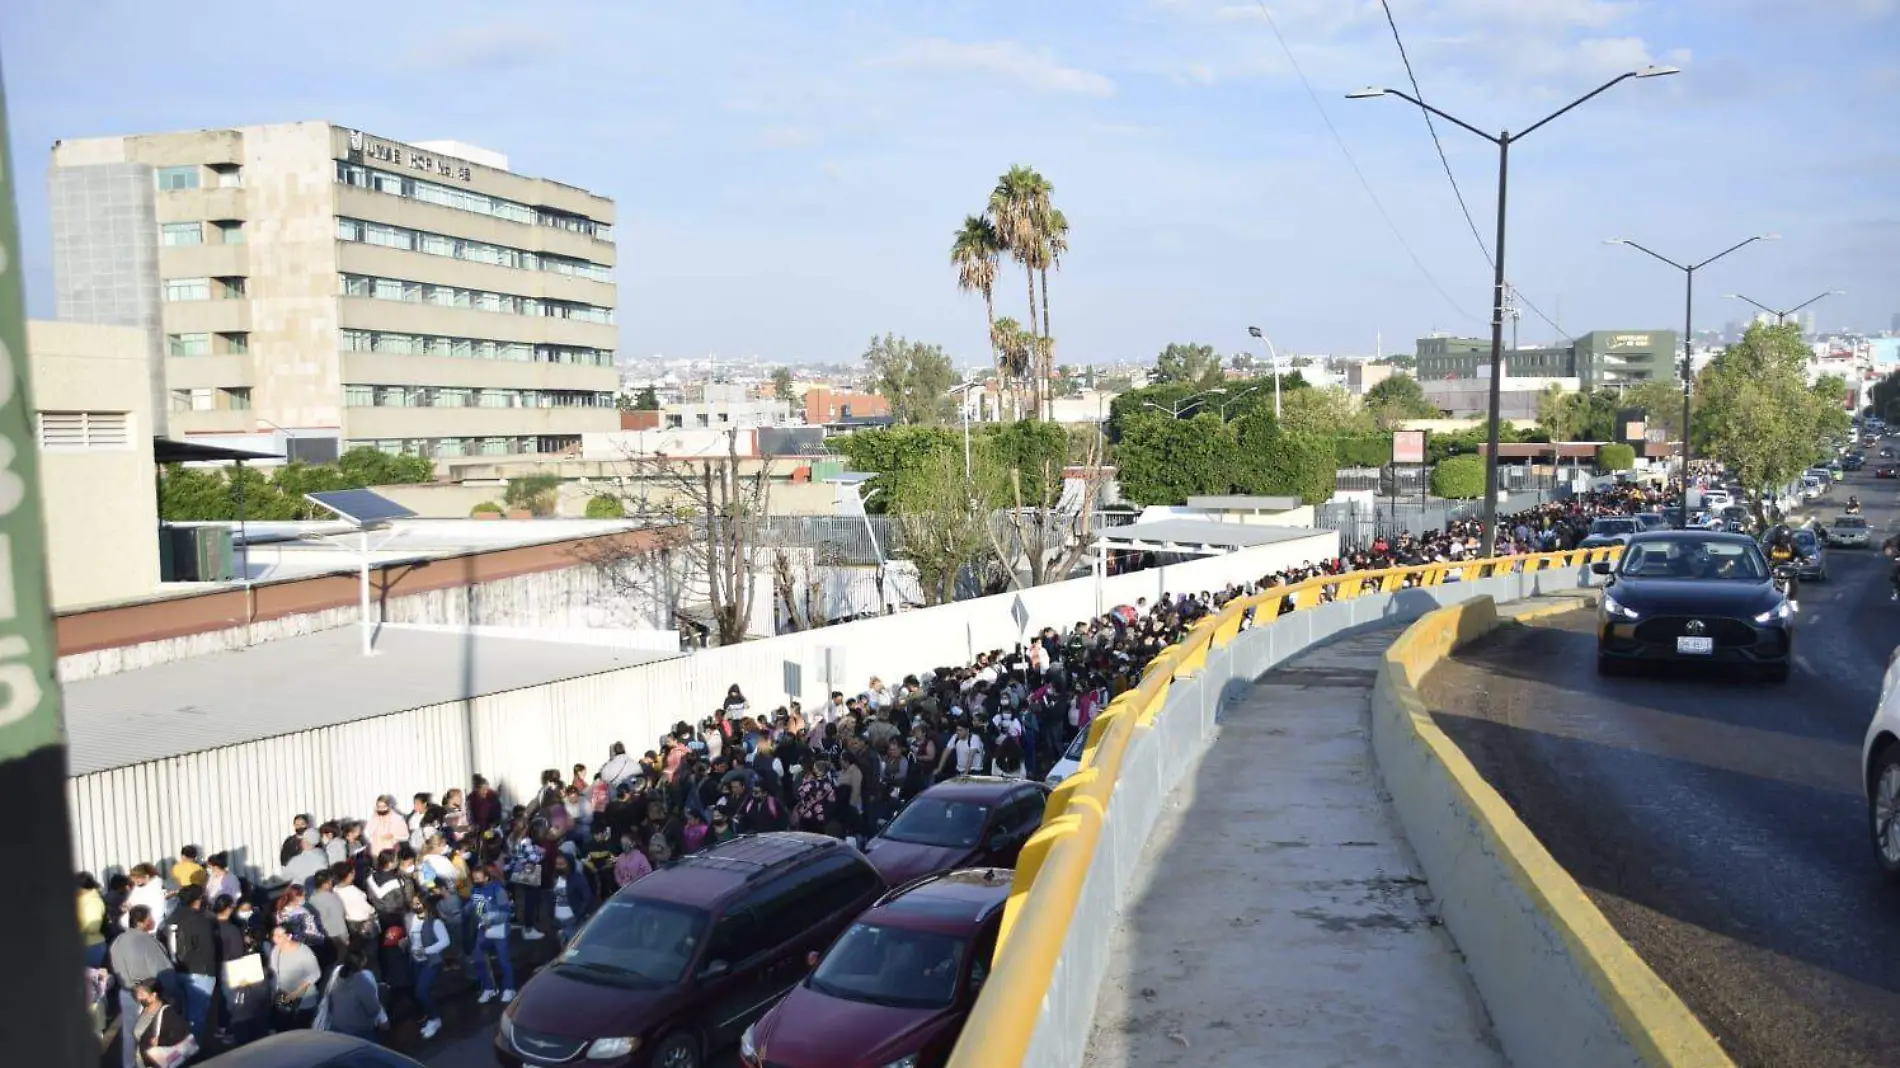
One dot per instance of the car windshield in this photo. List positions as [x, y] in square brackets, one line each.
[1851, 522]
[1694, 558]
[636, 940]
[1074, 752]
[1805, 540]
[1613, 526]
[943, 822]
[892, 966]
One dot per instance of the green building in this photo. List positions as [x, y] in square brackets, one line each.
[1598, 358]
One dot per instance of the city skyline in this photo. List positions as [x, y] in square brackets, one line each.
[789, 182]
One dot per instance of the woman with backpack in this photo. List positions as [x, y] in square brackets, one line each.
[427, 938]
[351, 1003]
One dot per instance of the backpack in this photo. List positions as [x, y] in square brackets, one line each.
[386, 894]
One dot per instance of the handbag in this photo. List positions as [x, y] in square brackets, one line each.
[527, 873]
[173, 1056]
[563, 913]
[496, 932]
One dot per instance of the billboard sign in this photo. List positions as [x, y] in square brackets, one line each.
[1408, 446]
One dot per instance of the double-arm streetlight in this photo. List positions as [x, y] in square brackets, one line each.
[1503, 139]
[1274, 355]
[1782, 316]
[1688, 335]
[1184, 403]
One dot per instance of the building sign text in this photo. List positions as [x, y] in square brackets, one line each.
[375, 151]
[1630, 341]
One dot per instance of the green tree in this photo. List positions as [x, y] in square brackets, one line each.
[1560, 412]
[782, 388]
[896, 453]
[1885, 397]
[1396, 398]
[1403, 361]
[1163, 460]
[1324, 413]
[647, 401]
[364, 466]
[539, 494]
[1661, 402]
[1459, 478]
[1759, 417]
[605, 506]
[1615, 456]
[1831, 400]
[1299, 465]
[914, 377]
[942, 521]
[1189, 364]
[1034, 234]
[486, 508]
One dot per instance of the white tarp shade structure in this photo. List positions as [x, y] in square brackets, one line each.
[1203, 537]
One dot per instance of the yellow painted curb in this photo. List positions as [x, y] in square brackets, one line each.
[1649, 1016]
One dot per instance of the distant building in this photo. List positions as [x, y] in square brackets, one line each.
[724, 407]
[1598, 358]
[1362, 376]
[825, 405]
[1466, 397]
[92, 417]
[344, 290]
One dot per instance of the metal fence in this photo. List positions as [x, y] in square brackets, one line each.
[1407, 479]
[838, 539]
[1359, 523]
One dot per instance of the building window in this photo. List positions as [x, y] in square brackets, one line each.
[230, 231]
[356, 285]
[235, 398]
[193, 400]
[394, 397]
[230, 288]
[467, 200]
[463, 347]
[464, 249]
[85, 431]
[173, 235]
[178, 177]
[359, 396]
[234, 344]
[177, 289]
[188, 344]
[230, 175]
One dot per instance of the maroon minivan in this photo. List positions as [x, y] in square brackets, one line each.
[974, 821]
[896, 986]
[679, 964]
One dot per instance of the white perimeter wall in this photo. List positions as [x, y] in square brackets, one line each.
[242, 798]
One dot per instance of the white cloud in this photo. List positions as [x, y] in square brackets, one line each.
[1033, 68]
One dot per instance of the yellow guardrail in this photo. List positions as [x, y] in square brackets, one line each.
[1055, 862]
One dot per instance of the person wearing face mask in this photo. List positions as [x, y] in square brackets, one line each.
[428, 939]
[387, 827]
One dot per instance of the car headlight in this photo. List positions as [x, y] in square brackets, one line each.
[748, 1049]
[904, 1062]
[1780, 611]
[1616, 609]
[603, 1049]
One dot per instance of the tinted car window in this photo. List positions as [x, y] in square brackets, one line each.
[634, 938]
[802, 900]
[1694, 558]
[739, 936]
[892, 966]
[941, 822]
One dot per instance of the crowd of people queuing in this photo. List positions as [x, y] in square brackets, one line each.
[364, 914]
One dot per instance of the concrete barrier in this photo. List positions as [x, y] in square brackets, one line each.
[1563, 988]
[1077, 872]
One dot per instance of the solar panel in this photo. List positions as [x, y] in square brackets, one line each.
[361, 507]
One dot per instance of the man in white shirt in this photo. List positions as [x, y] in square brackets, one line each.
[965, 751]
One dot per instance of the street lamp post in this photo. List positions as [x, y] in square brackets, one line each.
[1184, 403]
[1503, 139]
[1782, 316]
[1224, 405]
[1273, 355]
[1688, 336]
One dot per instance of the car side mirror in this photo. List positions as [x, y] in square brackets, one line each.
[715, 970]
[811, 959]
[1601, 567]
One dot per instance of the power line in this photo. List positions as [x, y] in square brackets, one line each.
[1354, 164]
[1483, 249]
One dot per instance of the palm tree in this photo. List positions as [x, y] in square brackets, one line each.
[1013, 346]
[1055, 233]
[1019, 208]
[975, 252]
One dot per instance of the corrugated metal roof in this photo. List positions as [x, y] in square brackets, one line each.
[298, 684]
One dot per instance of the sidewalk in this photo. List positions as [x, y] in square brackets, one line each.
[1286, 921]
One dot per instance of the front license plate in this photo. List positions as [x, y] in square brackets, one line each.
[1695, 646]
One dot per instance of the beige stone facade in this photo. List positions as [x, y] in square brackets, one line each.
[325, 282]
[92, 415]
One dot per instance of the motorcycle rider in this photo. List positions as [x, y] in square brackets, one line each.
[1782, 553]
[1853, 506]
[1891, 550]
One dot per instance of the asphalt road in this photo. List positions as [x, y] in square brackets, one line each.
[1718, 822]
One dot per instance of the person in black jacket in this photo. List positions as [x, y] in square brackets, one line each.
[300, 830]
[193, 940]
[159, 1026]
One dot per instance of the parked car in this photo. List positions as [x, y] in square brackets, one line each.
[897, 986]
[973, 821]
[310, 1049]
[1654, 521]
[679, 964]
[1071, 761]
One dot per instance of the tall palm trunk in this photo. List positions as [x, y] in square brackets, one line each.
[996, 356]
[1035, 360]
[1048, 346]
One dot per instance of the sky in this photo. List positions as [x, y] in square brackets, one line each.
[788, 175]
